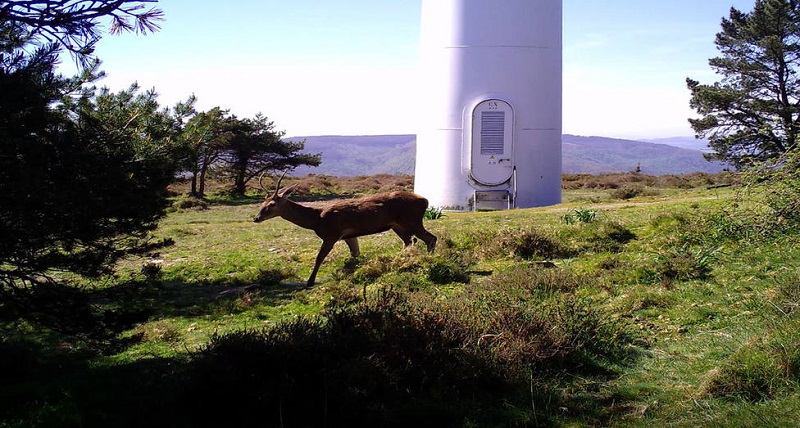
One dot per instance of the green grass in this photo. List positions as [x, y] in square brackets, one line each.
[640, 314]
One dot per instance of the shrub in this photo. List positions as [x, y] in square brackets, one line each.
[397, 359]
[274, 276]
[534, 281]
[726, 225]
[158, 331]
[781, 185]
[626, 192]
[530, 244]
[370, 271]
[447, 270]
[528, 319]
[767, 206]
[446, 266]
[190, 203]
[523, 243]
[749, 375]
[379, 363]
[152, 271]
[682, 264]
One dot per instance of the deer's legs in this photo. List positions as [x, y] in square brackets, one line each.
[428, 238]
[405, 236]
[326, 248]
[353, 244]
[418, 230]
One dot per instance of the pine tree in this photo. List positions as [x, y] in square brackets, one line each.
[256, 147]
[83, 172]
[753, 113]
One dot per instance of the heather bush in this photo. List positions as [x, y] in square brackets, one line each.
[433, 359]
[444, 270]
[626, 192]
[189, 203]
[680, 264]
[524, 243]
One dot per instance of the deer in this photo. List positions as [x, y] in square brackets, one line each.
[346, 220]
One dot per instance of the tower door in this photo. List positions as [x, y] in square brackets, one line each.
[491, 138]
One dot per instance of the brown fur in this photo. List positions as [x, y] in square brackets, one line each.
[346, 220]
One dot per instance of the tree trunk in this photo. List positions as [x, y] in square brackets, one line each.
[238, 183]
[201, 191]
[193, 191]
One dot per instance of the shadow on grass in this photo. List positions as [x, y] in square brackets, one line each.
[214, 388]
[85, 323]
[376, 363]
[362, 368]
[180, 299]
[49, 351]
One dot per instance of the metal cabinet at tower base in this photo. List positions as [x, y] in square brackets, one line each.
[492, 136]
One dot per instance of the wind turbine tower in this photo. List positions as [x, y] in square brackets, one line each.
[490, 135]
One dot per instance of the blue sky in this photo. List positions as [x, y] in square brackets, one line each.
[350, 66]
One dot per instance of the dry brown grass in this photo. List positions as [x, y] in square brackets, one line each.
[635, 180]
[312, 186]
[322, 186]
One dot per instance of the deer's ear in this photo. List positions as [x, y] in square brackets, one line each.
[286, 191]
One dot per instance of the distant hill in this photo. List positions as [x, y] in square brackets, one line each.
[595, 155]
[690, 143]
[347, 156]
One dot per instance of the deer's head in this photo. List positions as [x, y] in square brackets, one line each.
[273, 203]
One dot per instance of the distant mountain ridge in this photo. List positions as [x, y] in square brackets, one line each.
[690, 143]
[597, 155]
[347, 156]
[353, 155]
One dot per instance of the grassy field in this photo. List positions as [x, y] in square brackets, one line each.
[633, 303]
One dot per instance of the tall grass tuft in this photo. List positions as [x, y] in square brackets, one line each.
[446, 270]
[580, 215]
[524, 243]
[433, 213]
[597, 236]
[446, 266]
[788, 288]
[763, 368]
[680, 264]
